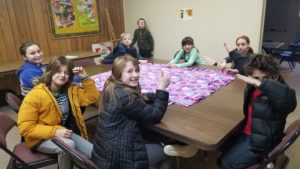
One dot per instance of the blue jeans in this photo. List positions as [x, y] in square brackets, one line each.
[238, 155]
[75, 141]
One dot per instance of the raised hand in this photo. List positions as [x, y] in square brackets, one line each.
[164, 81]
[228, 49]
[79, 71]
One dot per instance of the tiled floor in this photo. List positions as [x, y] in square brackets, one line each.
[293, 79]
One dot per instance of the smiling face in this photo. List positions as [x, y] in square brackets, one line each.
[34, 54]
[242, 46]
[188, 47]
[130, 75]
[60, 78]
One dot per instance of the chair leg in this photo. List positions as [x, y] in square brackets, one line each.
[177, 163]
[280, 61]
[290, 64]
[10, 164]
[294, 63]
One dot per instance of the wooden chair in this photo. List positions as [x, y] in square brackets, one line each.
[277, 156]
[21, 155]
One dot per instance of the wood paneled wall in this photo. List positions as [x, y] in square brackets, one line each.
[24, 20]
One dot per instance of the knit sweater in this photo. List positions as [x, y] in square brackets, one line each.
[191, 58]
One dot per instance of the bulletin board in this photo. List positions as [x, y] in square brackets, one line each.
[69, 18]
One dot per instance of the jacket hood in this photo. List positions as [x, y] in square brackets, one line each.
[28, 65]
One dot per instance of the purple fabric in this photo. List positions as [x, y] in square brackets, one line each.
[188, 85]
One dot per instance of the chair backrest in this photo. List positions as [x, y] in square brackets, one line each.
[6, 123]
[13, 101]
[22, 155]
[84, 62]
[297, 38]
[291, 134]
[79, 159]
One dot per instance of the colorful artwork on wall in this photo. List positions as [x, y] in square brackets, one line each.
[74, 17]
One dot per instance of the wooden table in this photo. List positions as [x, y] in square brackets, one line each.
[13, 66]
[206, 124]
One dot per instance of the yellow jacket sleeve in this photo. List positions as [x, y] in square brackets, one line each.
[88, 94]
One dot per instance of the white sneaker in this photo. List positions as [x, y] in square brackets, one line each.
[185, 151]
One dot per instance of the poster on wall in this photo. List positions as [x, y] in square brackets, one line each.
[186, 14]
[69, 18]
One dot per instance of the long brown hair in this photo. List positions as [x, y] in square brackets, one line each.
[53, 67]
[246, 38]
[109, 94]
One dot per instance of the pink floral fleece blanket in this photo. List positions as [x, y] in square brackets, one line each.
[188, 85]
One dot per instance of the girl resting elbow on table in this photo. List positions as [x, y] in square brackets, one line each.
[118, 140]
[239, 57]
[190, 54]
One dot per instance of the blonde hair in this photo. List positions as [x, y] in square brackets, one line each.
[109, 94]
[124, 34]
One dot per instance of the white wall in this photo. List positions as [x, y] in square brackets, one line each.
[214, 22]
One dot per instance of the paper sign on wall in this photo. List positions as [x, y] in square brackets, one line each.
[186, 14]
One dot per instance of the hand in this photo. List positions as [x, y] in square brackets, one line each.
[172, 65]
[143, 61]
[228, 49]
[63, 133]
[232, 71]
[164, 81]
[79, 71]
[223, 65]
[249, 80]
[208, 60]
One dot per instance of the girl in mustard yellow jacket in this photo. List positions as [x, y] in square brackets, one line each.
[52, 109]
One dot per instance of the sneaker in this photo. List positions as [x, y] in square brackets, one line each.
[185, 151]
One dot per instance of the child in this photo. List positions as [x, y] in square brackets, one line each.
[267, 102]
[123, 47]
[189, 54]
[239, 56]
[32, 68]
[143, 38]
[52, 109]
[118, 141]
